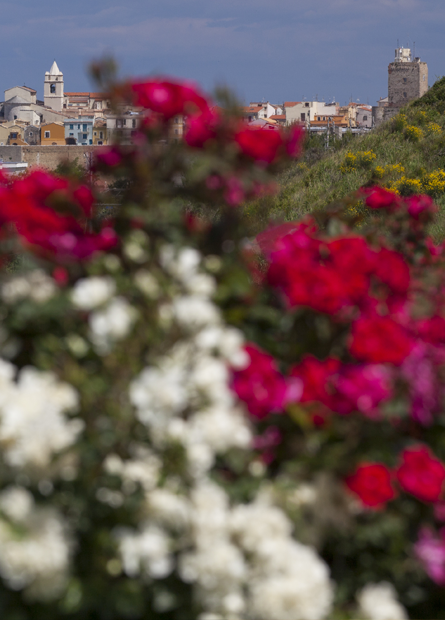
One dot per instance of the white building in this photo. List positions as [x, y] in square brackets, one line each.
[303, 111]
[53, 95]
[364, 116]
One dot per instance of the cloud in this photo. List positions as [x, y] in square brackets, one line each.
[279, 51]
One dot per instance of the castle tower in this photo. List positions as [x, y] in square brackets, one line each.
[407, 78]
[53, 88]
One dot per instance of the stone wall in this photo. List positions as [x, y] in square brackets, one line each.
[48, 156]
[406, 81]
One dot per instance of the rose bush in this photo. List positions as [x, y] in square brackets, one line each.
[200, 424]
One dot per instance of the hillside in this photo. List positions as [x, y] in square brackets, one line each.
[406, 154]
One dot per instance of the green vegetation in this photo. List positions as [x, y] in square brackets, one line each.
[406, 155]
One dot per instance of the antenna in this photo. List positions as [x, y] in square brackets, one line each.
[414, 49]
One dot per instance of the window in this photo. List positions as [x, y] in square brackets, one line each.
[84, 136]
[30, 133]
[47, 134]
[134, 123]
[404, 94]
[15, 117]
[303, 116]
[365, 118]
[306, 105]
[71, 134]
[52, 89]
[84, 127]
[71, 126]
[14, 135]
[78, 126]
[99, 142]
[404, 80]
[176, 131]
[95, 133]
[119, 123]
[101, 134]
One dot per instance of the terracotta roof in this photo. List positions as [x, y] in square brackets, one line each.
[290, 104]
[90, 95]
[248, 108]
[278, 117]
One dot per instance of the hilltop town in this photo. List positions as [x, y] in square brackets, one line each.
[70, 125]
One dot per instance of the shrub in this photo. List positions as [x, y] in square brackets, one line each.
[197, 425]
[434, 183]
[406, 187]
[360, 159]
[413, 133]
[434, 129]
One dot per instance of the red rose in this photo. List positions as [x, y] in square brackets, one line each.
[201, 128]
[391, 269]
[362, 388]
[421, 474]
[432, 330]
[379, 340]
[418, 205]
[168, 98]
[380, 198]
[260, 385]
[372, 483]
[316, 376]
[261, 145]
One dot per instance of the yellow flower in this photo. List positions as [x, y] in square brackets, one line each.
[406, 187]
[434, 182]
[413, 133]
[434, 128]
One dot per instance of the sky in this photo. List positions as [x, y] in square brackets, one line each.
[288, 50]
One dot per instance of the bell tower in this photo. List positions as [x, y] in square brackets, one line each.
[53, 88]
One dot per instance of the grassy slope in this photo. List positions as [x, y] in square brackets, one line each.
[318, 180]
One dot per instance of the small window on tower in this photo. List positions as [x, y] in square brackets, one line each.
[404, 80]
[53, 88]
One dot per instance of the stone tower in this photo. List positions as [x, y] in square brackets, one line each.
[407, 78]
[53, 88]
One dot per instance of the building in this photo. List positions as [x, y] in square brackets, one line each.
[304, 111]
[9, 133]
[79, 130]
[123, 127]
[176, 128]
[100, 136]
[52, 134]
[90, 101]
[32, 135]
[280, 119]
[53, 95]
[407, 81]
[27, 94]
[407, 78]
[364, 116]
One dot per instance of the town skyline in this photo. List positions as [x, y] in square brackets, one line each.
[337, 51]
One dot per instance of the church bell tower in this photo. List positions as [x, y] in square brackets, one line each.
[53, 88]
